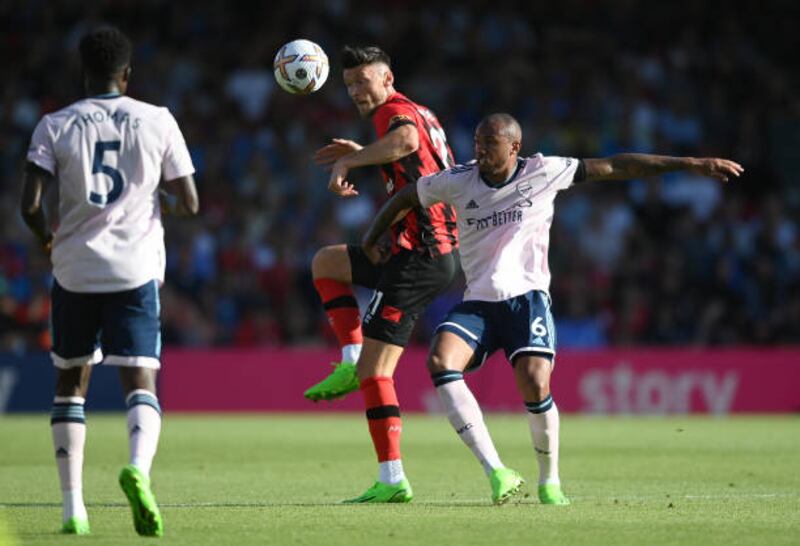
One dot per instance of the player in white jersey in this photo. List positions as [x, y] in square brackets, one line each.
[114, 159]
[504, 206]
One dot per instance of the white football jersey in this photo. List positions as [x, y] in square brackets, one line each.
[504, 233]
[108, 156]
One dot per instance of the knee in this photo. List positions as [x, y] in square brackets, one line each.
[535, 378]
[72, 382]
[322, 261]
[133, 379]
[437, 362]
[539, 387]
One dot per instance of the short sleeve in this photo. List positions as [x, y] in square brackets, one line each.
[393, 115]
[434, 189]
[176, 162]
[41, 151]
[561, 171]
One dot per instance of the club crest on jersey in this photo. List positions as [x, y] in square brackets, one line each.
[524, 188]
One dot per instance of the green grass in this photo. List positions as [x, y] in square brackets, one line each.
[276, 480]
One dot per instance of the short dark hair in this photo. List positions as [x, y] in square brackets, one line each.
[105, 51]
[504, 124]
[353, 56]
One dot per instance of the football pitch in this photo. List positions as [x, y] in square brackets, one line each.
[277, 479]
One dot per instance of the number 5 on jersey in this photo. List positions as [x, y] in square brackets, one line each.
[117, 182]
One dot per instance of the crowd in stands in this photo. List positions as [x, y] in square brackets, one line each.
[674, 260]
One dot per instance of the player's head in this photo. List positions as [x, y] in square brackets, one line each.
[368, 77]
[498, 139]
[106, 57]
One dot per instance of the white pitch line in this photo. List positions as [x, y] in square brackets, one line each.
[668, 496]
[432, 502]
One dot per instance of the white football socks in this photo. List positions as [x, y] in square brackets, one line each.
[391, 472]
[350, 353]
[144, 428]
[68, 424]
[544, 425]
[466, 417]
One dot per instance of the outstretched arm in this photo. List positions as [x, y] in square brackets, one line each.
[33, 189]
[394, 145]
[339, 147]
[627, 166]
[391, 212]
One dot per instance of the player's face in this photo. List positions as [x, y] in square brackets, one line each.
[369, 85]
[494, 151]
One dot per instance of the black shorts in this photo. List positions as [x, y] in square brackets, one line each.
[404, 286]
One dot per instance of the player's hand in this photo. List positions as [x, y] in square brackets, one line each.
[334, 151]
[714, 167]
[338, 183]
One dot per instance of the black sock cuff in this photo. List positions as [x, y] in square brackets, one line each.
[383, 412]
[341, 301]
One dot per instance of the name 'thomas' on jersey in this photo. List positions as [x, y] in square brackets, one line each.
[108, 156]
[504, 231]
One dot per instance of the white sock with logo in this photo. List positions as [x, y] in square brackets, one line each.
[68, 424]
[544, 425]
[465, 415]
[144, 428]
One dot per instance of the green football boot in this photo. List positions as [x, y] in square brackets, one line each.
[505, 484]
[381, 492]
[551, 494]
[146, 516]
[342, 381]
[76, 526]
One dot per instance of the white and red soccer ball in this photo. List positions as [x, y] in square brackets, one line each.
[301, 67]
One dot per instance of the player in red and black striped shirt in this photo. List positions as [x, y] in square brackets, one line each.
[432, 230]
[422, 261]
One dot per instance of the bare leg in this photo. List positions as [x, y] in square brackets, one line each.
[73, 381]
[378, 359]
[332, 262]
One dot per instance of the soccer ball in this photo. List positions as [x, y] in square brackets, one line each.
[301, 67]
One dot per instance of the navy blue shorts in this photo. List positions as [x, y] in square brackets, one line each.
[520, 325]
[117, 328]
